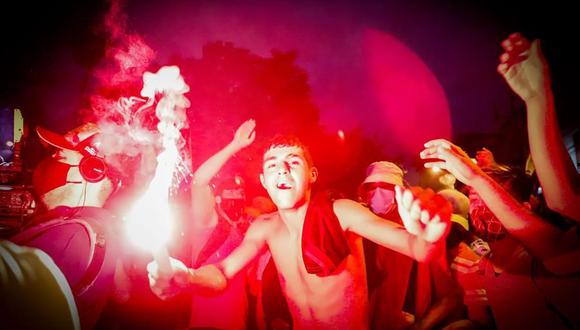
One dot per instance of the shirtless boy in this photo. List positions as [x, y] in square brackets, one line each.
[337, 299]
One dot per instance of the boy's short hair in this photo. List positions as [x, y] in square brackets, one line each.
[280, 141]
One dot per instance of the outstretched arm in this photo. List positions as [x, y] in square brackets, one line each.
[526, 71]
[421, 238]
[202, 198]
[210, 278]
[541, 238]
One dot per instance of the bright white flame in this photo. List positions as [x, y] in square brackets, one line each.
[149, 223]
[435, 169]
[340, 134]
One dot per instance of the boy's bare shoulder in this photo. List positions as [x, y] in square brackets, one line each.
[267, 221]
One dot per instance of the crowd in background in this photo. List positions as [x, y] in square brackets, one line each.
[511, 256]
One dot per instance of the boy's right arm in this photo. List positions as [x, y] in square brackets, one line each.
[211, 277]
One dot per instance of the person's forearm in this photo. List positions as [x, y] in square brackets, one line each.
[211, 166]
[209, 277]
[540, 237]
[424, 251]
[397, 238]
[554, 167]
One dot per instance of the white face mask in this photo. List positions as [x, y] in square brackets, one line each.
[382, 201]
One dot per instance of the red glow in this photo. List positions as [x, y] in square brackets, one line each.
[341, 134]
[413, 103]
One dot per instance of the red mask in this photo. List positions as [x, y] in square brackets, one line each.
[50, 174]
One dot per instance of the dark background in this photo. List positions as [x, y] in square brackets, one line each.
[49, 52]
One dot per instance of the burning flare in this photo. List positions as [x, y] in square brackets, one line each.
[149, 223]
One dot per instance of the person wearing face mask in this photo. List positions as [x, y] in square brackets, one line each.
[375, 192]
[378, 188]
[75, 230]
[218, 228]
[231, 203]
[400, 288]
[530, 277]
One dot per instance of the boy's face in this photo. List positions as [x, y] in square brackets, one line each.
[287, 176]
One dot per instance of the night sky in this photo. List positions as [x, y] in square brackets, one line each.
[351, 51]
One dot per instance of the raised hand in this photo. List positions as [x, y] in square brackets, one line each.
[485, 158]
[164, 286]
[424, 213]
[523, 66]
[444, 154]
[245, 134]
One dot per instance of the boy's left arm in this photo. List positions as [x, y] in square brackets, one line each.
[424, 232]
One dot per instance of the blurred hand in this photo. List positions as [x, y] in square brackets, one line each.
[445, 155]
[167, 286]
[524, 67]
[245, 134]
[424, 213]
[485, 158]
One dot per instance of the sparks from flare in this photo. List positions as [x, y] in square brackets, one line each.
[149, 223]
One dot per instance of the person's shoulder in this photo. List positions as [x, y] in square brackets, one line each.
[264, 226]
[267, 219]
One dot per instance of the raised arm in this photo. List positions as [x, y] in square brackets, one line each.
[421, 238]
[540, 237]
[214, 277]
[202, 199]
[527, 73]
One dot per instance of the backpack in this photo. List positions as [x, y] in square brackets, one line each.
[91, 226]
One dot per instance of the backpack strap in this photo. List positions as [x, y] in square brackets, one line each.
[97, 258]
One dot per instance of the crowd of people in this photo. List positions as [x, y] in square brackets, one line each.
[480, 253]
